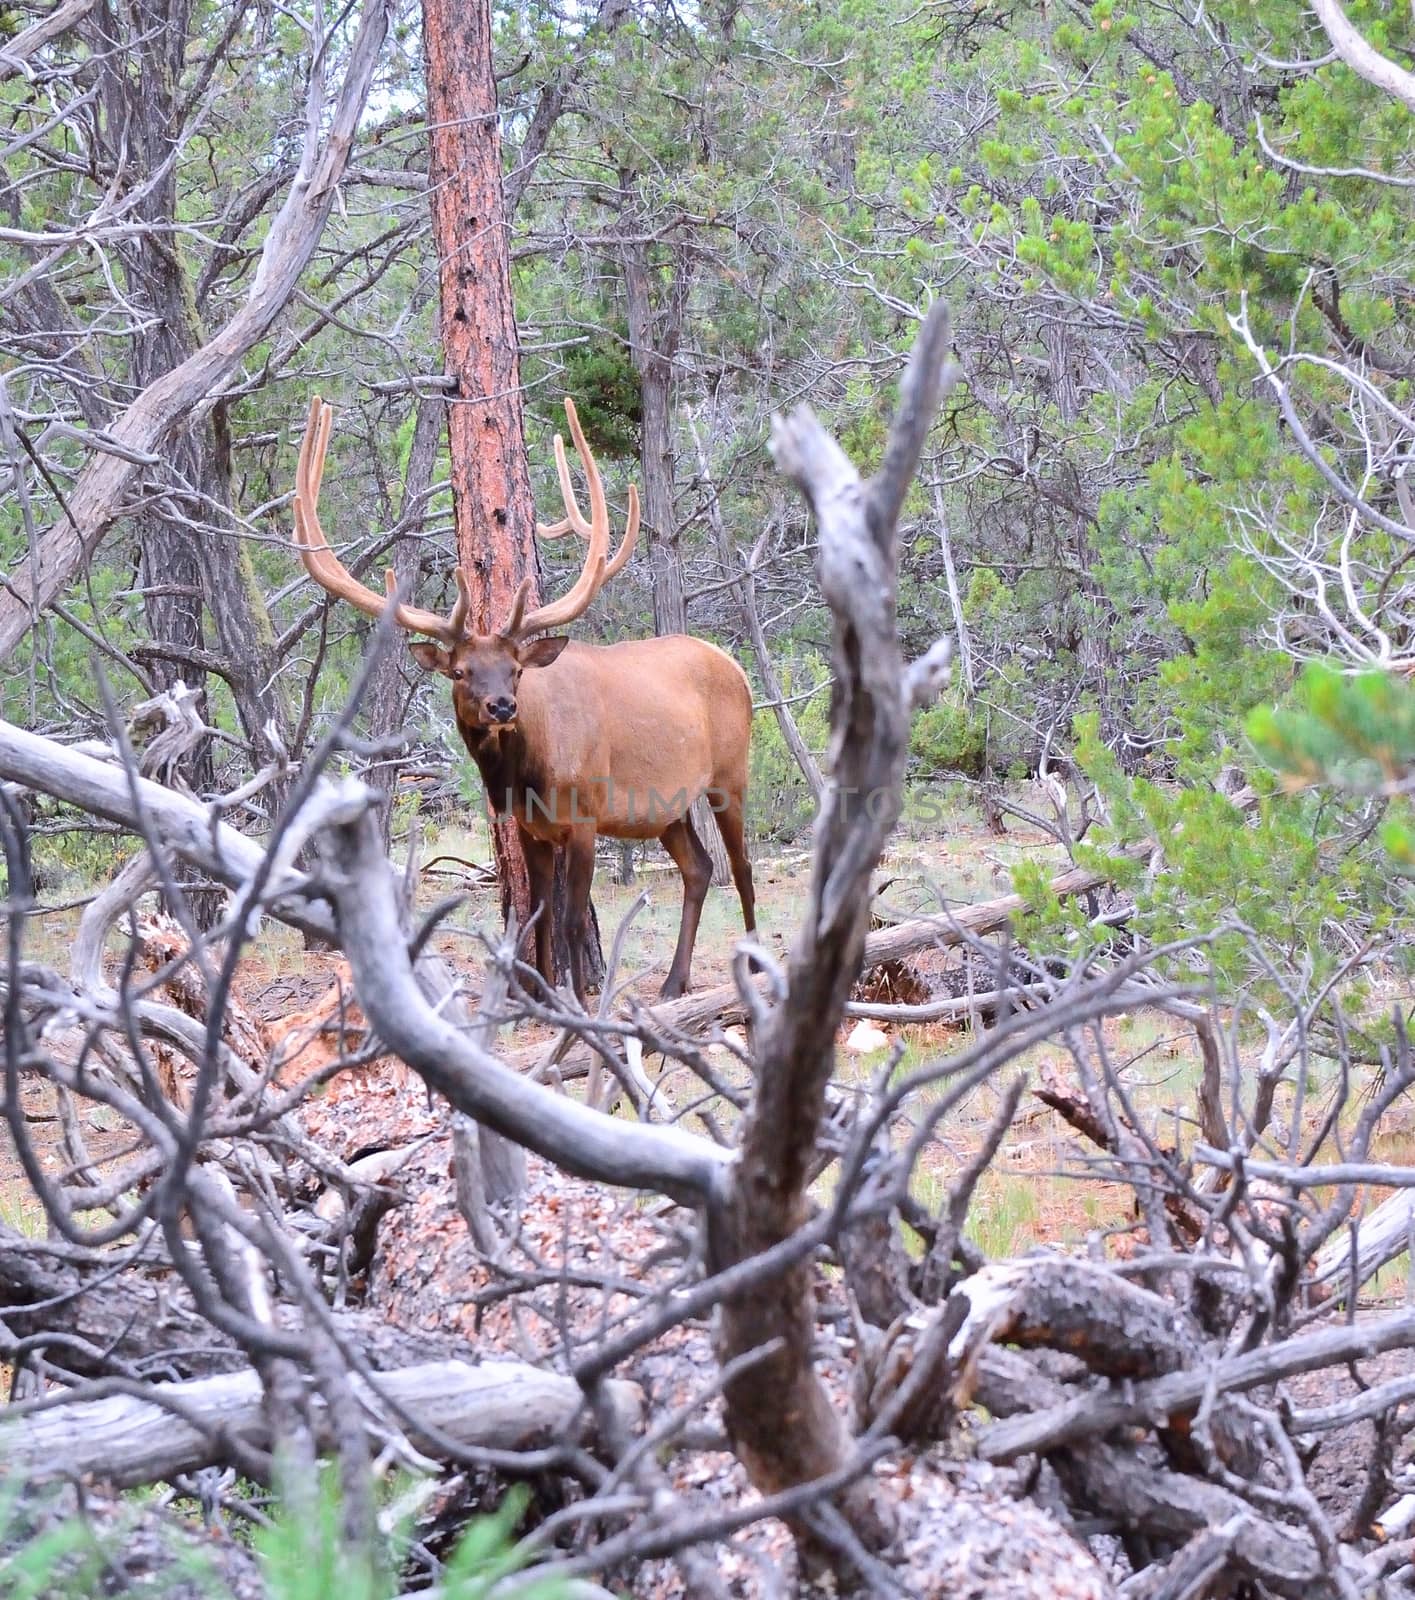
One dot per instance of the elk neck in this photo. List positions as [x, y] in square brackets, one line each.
[506, 763]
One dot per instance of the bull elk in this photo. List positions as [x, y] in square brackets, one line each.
[576, 740]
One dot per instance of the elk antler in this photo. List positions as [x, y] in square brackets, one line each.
[330, 573]
[599, 567]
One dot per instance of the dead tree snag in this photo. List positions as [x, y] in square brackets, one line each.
[783, 1424]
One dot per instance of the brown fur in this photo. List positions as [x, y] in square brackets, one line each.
[617, 739]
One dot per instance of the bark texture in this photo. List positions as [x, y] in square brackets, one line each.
[390, 688]
[190, 558]
[126, 1441]
[783, 1424]
[491, 485]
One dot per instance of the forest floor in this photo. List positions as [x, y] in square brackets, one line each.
[1036, 1192]
[425, 1274]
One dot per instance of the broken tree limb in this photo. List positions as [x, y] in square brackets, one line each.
[949, 929]
[1117, 1328]
[580, 1140]
[126, 1441]
[1381, 1236]
[192, 831]
[785, 1428]
[95, 1318]
[1360, 1407]
[24, 45]
[1362, 56]
[1092, 1415]
[1385, 1174]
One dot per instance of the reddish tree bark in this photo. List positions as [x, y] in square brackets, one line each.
[491, 486]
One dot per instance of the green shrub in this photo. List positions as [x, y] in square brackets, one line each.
[305, 1557]
[48, 1552]
[780, 806]
[599, 376]
[1351, 734]
[948, 736]
[43, 1560]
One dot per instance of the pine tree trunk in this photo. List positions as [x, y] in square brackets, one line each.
[491, 486]
[167, 560]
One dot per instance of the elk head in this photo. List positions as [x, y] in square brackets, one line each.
[484, 668]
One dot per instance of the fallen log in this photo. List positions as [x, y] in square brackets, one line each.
[723, 1003]
[1174, 1506]
[125, 1441]
[1109, 1479]
[95, 1315]
[1117, 1328]
[952, 928]
[1380, 1236]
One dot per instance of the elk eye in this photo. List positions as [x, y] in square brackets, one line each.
[457, 673]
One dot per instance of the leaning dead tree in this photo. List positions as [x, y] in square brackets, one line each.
[183, 380]
[779, 1416]
[722, 1334]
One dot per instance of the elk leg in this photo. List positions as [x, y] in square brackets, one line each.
[579, 875]
[734, 837]
[695, 864]
[540, 870]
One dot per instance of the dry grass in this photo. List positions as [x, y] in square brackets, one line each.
[20, 1210]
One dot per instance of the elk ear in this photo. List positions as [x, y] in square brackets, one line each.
[541, 652]
[431, 657]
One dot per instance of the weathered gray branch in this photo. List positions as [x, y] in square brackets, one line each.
[187, 828]
[1092, 1415]
[585, 1142]
[1381, 1236]
[19, 50]
[1362, 57]
[582, 1141]
[126, 1441]
[784, 1425]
